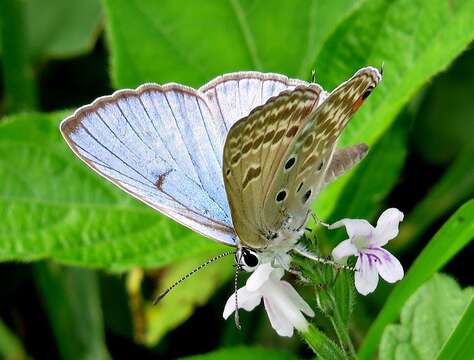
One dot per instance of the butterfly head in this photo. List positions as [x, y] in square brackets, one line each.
[247, 258]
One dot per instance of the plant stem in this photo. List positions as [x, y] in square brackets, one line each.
[342, 334]
[323, 346]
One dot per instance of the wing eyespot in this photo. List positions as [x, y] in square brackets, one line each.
[281, 196]
[290, 163]
[306, 196]
[367, 92]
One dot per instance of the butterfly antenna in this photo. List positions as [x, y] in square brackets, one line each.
[313, 75]
[381, 69]
[238, 268]
[307, 254]
[211, 260]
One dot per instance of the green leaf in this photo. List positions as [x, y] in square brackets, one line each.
[57, 28]
[426, 320]
[460, 344]
[33, 31]
[321, 344]
[20, 89]
[53, 206]
[179, 305]
[71, 300]
[362, 33]
[455, 234]
[241, 352]
[344, 295]
[449, 97]
[373, 178]
[456, 185]
[196, 41]
[414, 39]
[11, 347]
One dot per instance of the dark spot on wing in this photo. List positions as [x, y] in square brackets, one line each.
[289, 164]
[161, 178]
[281, 196]
[306, 196]
[299, 187]
[367, 92]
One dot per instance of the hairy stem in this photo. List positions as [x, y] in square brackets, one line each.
[324, 347]
[342, 334]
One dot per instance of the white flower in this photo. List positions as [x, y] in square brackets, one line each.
[366, 243]
[283, 304]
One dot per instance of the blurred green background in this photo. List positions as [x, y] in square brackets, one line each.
[82, 260]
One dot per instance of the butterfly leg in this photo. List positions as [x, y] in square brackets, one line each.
[318, 220]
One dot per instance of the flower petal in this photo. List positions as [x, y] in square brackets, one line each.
[259, 277]
[354, 227]
[247, 301]
[388, 267]
[296, 298]
[387, 226]
[366, 277]
[343, 250]
[279, 322]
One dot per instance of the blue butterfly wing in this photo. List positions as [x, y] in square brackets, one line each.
[162, 145]
[234, 95]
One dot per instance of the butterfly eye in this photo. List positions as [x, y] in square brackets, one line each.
[247, 258]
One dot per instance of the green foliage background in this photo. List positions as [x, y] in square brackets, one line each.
[82, 260]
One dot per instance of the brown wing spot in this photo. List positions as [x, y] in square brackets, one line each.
[257, 142]
[358, 104]
[268, 136]
[252, 174]
[246, 148]
[278, 136]
[235, 159]
[161, 178]
[292, 131]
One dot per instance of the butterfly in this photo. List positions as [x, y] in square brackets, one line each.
[239, 160]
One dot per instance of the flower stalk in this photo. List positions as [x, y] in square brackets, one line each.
[342, 333]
